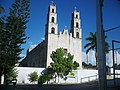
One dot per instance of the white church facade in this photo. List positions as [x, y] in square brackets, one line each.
[70, 41]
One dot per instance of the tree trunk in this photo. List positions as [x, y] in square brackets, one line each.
[55, 79]
[0, 78]
[58, 78]
[96, 60]
[5, 78]
[87, 58]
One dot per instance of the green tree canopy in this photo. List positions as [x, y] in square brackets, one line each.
[12, 34]
[2, 9]
[62, 63]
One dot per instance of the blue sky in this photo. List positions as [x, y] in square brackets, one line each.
[38, 15]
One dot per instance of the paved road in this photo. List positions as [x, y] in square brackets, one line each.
[85, 86]
[50, 87]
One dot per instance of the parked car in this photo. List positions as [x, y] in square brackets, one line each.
[13, 82]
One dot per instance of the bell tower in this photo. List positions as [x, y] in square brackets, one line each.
[76, 25]
[52, 26]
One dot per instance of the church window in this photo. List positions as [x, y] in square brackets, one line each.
[53, 19]
[65, 51]
[77, 24]
[77, 35]
[52, 10]
[53, 30]
[76, 16]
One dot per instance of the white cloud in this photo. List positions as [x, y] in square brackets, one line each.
[42, 38]
[109, 58]
[84, 58]
[22, 55]
[31, 45]
[91, 57]
[118, 57]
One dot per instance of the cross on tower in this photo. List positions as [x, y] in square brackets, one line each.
[75, 8]
[52, 3]
[65, 27]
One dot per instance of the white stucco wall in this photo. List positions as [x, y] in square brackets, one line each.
[79, 74]
[23, 74]
[24, 71]
[73, 46]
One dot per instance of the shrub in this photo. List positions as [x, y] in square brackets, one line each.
[42, 79]
[33, 76]
[12, 74]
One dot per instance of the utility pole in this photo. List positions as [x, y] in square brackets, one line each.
[100, 46]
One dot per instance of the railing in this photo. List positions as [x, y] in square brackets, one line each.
[117, 75]
[89, 78]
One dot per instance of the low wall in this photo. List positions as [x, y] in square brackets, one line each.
[79, 77]
[87, 75]
[23, 74]
[24, 71]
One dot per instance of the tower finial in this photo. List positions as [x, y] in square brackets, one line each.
[75, 8]
[52, 3]
[65, 27]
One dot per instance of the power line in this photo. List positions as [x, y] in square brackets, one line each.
[114, 49]
[111, 29]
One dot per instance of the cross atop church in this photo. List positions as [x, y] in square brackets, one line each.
[75, 8]
[52, 3]
[65, 27]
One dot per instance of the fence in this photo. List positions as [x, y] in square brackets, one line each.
[89, 78]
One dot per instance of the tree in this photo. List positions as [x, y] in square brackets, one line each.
[12, 35]
[33, 76]
[46, 75]
[2, 9]
[12, 74]
[58, 61]
[42, 79]
[62, 63]
[92, 45]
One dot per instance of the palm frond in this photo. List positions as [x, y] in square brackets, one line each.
[90, 48]
[92, 37]
[89, 39]
[2, 9]
[87, 45]
[92, 34]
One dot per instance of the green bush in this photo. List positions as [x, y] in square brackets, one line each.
[12, 74]
[42, 79]
[33, 76]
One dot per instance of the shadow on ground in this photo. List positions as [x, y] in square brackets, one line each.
[84, 86]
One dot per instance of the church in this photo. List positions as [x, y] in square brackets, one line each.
[71, 41]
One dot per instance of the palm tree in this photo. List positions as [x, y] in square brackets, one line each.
[2, 9]
[92, 45]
